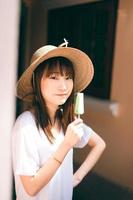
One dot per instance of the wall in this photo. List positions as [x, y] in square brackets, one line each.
[122, 91]
[116, 163]
[9, 16]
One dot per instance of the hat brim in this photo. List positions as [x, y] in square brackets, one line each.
[83, 68]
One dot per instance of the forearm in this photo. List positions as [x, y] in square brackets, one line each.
[35, 183]
[89, 163]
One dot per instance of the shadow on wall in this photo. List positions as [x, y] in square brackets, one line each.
[95, 187]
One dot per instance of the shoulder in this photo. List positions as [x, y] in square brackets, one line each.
[25, 122]
[25, 118]
[87, 129]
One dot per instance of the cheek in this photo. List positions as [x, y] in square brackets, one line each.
[44, 87]
[70, 86]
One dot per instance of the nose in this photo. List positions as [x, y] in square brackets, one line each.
[63, 84]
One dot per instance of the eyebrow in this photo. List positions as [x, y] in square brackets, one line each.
[55, 72]
[58, 73]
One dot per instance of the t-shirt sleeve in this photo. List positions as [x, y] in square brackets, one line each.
[25, 154]
[86, 136]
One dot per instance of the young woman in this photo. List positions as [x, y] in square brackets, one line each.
[44, 136]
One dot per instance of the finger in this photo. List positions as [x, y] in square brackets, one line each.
[80, 132]
[79, 126]
[77, 121]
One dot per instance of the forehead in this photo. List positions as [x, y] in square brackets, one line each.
[59, 67]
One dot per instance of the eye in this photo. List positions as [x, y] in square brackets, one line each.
[53, 76]
[68, 77]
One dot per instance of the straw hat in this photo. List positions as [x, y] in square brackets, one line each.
[83, 68]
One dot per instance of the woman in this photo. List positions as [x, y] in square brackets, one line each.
[44, 136]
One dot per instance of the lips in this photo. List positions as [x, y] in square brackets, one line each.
[61, 94]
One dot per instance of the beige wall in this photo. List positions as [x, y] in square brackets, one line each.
[117, 161]
[9, 17]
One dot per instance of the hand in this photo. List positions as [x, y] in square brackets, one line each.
[76, 180]
[74, 132]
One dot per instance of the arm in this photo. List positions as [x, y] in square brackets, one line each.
[33, 184]
[97, 147]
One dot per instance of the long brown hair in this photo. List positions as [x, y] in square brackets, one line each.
[65, 112]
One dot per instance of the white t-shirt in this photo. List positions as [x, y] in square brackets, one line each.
[31, 149]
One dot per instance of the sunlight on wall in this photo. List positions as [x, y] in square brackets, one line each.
[9, 18]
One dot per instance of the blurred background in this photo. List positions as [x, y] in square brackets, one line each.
[104, 30]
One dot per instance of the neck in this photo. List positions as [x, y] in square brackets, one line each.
[52, 111]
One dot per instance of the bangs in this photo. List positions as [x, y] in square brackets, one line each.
[59, 64]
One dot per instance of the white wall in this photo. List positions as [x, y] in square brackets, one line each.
[9, 19]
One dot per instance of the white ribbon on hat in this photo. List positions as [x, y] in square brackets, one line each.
[65, 43]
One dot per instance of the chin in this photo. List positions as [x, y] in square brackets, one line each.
[62, 102]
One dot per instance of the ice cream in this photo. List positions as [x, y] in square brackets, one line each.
[79, 104]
